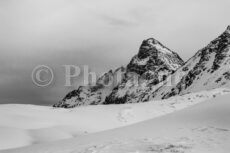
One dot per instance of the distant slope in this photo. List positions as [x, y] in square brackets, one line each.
[204, 128]
[208, 69]
[93, 94]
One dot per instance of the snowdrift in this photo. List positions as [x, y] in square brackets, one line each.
[203, 128]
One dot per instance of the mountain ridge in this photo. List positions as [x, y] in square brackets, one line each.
[153, 63]
[156, 72]
[207, 69]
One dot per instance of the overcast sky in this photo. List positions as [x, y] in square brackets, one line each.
[103, 34]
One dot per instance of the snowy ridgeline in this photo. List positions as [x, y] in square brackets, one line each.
[24, 125]
[203, 128]
[157, 72]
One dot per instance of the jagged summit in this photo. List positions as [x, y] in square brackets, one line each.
[153, 45]
[149, 43]
[154, 56]
[152, 65]
[228, 29]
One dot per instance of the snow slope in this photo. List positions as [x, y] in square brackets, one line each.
[23, 125]
[203, 128]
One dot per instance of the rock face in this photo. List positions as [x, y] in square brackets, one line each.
[152, 65]
[208, 69]
[154, 57]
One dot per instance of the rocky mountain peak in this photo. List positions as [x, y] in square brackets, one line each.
[228, 29]
[152, 46]
[149, 43]
[152, 65]
[154, 56]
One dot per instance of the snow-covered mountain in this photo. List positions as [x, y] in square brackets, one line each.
[151, 65]
[156, 72]
[93, 95]
[208, 69]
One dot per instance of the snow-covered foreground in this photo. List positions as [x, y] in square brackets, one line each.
[203, 127]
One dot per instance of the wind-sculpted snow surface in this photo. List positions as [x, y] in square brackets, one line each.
[140, 146]
[203, 128]
[23, 125]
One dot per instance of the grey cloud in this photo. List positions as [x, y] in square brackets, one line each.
[114, 21]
